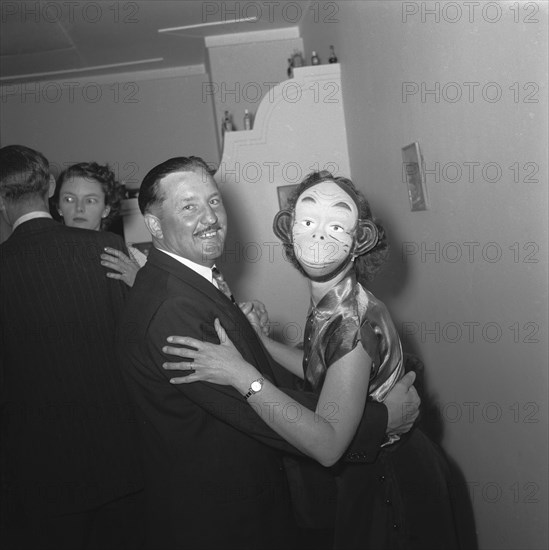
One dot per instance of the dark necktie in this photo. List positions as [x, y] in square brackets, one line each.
[221, 284]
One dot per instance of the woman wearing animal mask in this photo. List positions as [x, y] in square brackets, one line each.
[351, 353]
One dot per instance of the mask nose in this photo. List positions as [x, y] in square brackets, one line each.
[319, 232]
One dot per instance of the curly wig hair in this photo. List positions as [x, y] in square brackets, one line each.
[102, 174]
[367, 264]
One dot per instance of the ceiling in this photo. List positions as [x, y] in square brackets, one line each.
[70, 38]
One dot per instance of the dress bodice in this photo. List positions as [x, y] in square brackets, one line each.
[346, 315]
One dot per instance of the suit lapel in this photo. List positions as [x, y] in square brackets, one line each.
[230, 315]
[187, 276]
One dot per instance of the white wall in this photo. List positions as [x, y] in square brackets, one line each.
[496, 381]
[133, 121]
[244, 68]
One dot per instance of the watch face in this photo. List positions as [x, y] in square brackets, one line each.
[256, 385]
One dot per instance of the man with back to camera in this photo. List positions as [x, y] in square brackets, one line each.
[70, 476]
[213, 471]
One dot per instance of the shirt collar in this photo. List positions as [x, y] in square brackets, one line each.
[202, 270]
[30, 216]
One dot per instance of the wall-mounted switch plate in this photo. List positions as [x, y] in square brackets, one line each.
[413, 172]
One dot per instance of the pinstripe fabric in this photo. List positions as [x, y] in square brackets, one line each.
[67, 427]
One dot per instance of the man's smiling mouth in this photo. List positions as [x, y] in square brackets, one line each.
[208, 233]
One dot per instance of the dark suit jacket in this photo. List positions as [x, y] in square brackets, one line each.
[214, 477]
[67, 428]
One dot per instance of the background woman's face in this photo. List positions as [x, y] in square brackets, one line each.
[82, 203]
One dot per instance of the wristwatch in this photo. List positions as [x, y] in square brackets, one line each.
[255, 387]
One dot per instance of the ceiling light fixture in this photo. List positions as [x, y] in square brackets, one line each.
[211, 24]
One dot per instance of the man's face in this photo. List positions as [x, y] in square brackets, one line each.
[324, 226]
[192, 217]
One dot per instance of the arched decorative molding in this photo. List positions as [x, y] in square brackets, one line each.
[299, 127]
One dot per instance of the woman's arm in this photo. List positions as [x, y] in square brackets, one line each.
[290, 358]
[324, 434]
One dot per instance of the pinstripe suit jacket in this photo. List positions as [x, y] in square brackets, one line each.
[67, 426]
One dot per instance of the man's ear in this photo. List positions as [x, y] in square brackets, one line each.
[3, 213]
[106, 211]
[367, 236]
[282, 226]
[153, 225]
[51, 189]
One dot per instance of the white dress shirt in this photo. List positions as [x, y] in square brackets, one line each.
[202, 270]
[30, 216]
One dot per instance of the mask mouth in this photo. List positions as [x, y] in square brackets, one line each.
[321, 255]
[330, 275]
[315, 251]
[315, 265]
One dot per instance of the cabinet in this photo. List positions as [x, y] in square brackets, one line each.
[299, 127]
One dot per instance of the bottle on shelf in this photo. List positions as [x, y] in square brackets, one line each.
[290, 70]
[226, 124]
[247, 120]
[333, 56]
[297, 59]
[315, 60]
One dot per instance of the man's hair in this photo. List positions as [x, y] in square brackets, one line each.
[24, 173]
[149, 192]
[102, 174]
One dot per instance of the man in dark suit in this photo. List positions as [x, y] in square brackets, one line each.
[213, 472]
[70, 471]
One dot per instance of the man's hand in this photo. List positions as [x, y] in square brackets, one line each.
[402, 402]
[125, 266]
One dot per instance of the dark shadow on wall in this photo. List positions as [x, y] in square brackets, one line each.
[388, 284]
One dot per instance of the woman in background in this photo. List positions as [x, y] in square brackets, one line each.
[88, 196]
